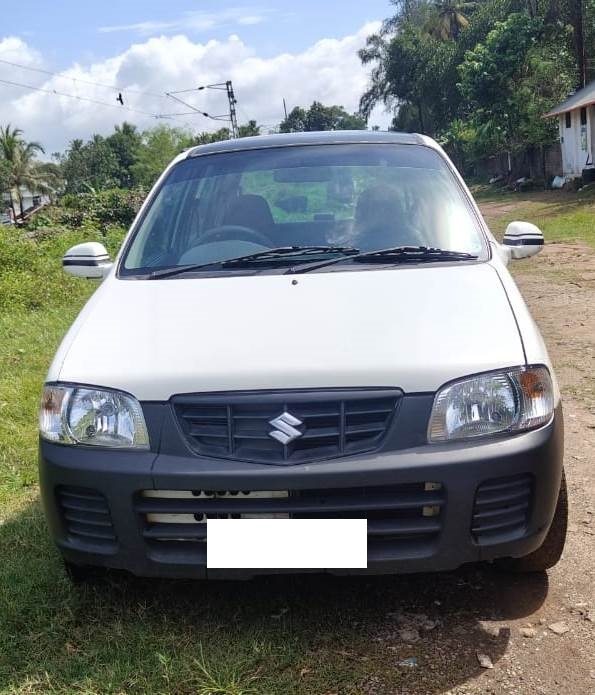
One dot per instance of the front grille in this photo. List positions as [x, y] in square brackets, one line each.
[501, 509]
[86, 518]
[320, 424]
[402, 518]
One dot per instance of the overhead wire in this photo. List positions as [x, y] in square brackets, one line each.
[72, 78]
[97, 102]
[115, 88]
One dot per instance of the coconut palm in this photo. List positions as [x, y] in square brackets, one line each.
[450, 18]
[24, 170]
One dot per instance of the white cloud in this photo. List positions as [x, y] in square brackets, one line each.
[329, 71]
[196, 20]
[15, 49]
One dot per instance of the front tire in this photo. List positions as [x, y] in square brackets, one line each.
[550, 551]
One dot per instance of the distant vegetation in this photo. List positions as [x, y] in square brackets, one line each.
[479, 75]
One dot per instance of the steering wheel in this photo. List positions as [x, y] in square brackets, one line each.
[234, 232]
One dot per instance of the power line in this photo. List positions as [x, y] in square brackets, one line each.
[231, 99]
[194, 109]
[71, 78]
[120, 107]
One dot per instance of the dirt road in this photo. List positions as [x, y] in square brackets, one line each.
[510, 619]
[559, 287]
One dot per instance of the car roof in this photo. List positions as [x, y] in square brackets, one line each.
[327, 137]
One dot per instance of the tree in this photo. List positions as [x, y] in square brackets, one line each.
[22, 170]
[249, 129]
[4, 176]
[450, 19]
[158, 147]
[125, 142]
[90, 166]
[510, 80]
[412, 72]
[320, 117]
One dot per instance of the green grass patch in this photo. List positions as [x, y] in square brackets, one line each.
[561, 215]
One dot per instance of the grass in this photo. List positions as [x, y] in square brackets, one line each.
[561, 215]
[133, 636]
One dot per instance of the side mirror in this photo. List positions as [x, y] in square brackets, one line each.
[522, 240]
[88, 260]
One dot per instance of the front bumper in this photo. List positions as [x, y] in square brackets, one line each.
[448, 489]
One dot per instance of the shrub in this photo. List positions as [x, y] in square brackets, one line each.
[111, 207]
[31, 275]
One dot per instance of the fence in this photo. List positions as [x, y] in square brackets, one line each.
[536, 163]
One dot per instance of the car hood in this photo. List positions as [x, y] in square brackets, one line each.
[409, 327]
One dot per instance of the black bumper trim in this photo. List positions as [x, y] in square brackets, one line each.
[460, 468]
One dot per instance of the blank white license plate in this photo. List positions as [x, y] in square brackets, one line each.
[287, 544]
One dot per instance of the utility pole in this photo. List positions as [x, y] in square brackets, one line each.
[231, 98]
[232, 109]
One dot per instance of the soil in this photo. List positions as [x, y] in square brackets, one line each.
[538, 631]
[559, 288]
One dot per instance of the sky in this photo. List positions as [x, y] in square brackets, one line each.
[301, 51]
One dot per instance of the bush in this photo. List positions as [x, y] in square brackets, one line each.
[31, 275]
[111, 207]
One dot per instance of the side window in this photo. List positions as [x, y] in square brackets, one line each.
[568, 117]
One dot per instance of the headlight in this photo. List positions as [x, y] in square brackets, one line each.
[94, 417]
[508, 401]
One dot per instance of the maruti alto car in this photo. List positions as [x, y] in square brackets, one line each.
[314, 325]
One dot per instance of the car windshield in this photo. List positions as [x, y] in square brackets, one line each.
[311, 202]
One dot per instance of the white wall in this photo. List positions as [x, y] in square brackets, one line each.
[577, 142]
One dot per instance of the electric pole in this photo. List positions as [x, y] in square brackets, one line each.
[232, 109]
[231, 98]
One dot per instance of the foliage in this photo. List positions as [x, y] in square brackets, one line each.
[130, 159]
[90, 166]
[158, 147]
[320, 117]
[125, 142]
[413, 68]
[102, 208]
[28, 264]
[478, 75]
[450, 19]
[508, 83]
[22, 170]
[249, 129]
[4, 176]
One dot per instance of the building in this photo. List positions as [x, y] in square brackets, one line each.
[576, 117]
[31, 201]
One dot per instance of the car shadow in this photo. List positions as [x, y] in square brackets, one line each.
[420, 633]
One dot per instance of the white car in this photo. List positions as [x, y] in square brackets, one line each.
[306, 325]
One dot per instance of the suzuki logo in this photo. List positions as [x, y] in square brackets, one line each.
[285, 428]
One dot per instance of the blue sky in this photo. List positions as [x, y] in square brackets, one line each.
[299, 51]
[75, 30]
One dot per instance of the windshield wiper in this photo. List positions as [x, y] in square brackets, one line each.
[396, 254]
[280, 252]
[287, 252]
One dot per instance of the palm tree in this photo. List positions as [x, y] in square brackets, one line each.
[24, 170]
[450, 18]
